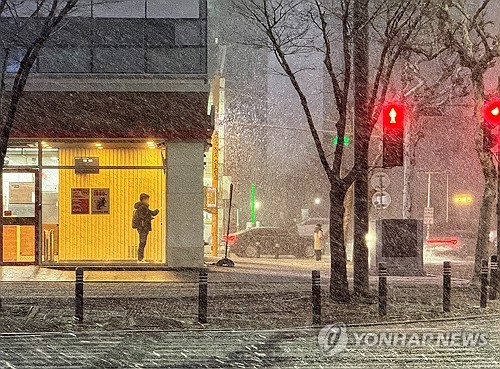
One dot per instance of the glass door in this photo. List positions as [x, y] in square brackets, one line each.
[19, 220]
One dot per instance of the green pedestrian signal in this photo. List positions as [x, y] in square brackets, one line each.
[336, 140]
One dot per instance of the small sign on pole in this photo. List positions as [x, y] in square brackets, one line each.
[381, 200]
[428, 216]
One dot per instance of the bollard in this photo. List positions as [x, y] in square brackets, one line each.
[446, 286]
[382, 289]
[493, 277]
[203, 296]
[316, 297]
[79, 295]
[484, 282]
[277, 251]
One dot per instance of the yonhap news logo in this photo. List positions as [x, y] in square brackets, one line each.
[334, 338]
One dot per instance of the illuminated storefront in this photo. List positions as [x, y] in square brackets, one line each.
[70, 183]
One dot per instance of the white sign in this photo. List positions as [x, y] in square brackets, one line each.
[428, 216]
[380, 181]
[226, 184]
[381, 200]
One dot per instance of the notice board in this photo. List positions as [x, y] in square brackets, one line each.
[80, 200]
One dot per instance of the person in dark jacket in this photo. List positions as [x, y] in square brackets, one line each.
[142, 222]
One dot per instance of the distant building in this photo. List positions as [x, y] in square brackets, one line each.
[116, 106]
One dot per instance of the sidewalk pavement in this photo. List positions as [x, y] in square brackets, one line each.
[285, 348]
[261, 270]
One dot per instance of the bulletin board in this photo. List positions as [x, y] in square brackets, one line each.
[80, 200]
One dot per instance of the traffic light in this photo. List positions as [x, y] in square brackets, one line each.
[491, 116]
[393, 141]
[346, 140]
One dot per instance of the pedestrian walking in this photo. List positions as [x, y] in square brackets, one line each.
[141, 221]
[318, 241]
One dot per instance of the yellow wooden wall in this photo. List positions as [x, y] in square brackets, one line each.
[111, 237]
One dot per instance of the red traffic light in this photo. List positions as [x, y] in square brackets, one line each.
[393, 139]
[393, 116]
[491, 112]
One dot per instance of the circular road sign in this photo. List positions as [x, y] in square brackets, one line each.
[381, 200]
[380, 181]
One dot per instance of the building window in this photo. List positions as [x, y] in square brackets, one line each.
[173, 9]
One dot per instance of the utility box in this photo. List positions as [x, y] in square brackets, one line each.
[400, 245]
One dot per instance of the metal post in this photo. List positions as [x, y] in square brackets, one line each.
[382, 289]
[428, 202]
[446, 286]
[203, 296]
[484, 282]
[493, 277]
[316, 297]
[447, 197]
[79, 295]
[277, 251]
[496, 282]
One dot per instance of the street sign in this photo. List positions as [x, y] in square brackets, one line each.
[428, 216]
[380, 181]
[381, 200]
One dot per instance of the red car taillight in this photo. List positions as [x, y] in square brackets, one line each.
[440, 241]
[231, 240]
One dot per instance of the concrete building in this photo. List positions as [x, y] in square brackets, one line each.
[116, 106]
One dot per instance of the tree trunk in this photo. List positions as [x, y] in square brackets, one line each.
[361, 145]
[361, 228]
[339, 287]
[348, 217]
[489, 173]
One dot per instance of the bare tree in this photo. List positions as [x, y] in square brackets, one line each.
[471, 36]
[426, 95]
[52, 13]
[292, 27]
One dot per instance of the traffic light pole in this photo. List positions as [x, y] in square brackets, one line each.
[497, 283]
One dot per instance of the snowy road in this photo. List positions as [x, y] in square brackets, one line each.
[212, 348]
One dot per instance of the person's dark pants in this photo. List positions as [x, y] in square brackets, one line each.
[143, 238]
[318, 255]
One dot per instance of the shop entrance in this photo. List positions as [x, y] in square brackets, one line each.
[19, 216]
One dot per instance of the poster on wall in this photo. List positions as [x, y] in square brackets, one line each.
[100, 201]
[80, 201]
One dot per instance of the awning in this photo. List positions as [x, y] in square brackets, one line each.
[114, 115]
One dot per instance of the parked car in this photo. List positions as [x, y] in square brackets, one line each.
[459, 242]
[255, 242]
[306, 227]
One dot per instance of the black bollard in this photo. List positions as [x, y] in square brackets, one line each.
[203, 296]
[493, 277]
[382, 289]
[484, 283]
[316, 297]
[79, 295]
[446, 286]
[277, 251]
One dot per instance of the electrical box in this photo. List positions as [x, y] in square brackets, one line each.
[87, 165]
[400, 245]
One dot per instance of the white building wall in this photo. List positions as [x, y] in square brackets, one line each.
[185, 204]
